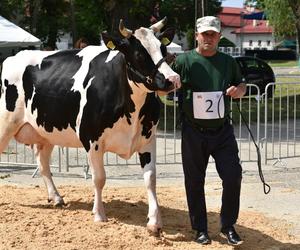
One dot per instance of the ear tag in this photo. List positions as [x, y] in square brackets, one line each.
[110, 45]
[165, 41]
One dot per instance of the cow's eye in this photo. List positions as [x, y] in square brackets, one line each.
[139, 57]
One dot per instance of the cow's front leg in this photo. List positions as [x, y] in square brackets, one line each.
[98, 176]
[148, 160]
[43, 153]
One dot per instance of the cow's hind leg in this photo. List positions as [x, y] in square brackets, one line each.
[7, 129]
[43, 159]
[148, 160]
[98, 176]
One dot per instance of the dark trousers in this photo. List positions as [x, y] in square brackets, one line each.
[196, 148]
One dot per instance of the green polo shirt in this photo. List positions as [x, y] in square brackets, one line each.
[205, 74]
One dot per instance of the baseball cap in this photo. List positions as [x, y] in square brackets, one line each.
[208, 23]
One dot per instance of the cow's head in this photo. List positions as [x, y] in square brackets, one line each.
[145, 55]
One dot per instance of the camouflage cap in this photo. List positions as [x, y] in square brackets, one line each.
[208, 23]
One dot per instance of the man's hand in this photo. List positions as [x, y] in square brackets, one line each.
[237, 91]
[176, 84]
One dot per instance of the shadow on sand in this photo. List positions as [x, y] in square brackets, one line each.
[176, 222]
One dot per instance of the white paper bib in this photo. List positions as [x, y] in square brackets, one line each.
[208, 105]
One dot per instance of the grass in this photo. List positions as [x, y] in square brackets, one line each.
[284, 63]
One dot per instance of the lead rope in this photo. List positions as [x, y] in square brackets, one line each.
[266, 187]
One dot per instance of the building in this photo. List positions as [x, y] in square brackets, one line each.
[245, 34]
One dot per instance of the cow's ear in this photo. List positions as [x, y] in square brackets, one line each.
[167, 36]
[109, 41]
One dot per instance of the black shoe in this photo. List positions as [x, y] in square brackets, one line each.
[231, 235]
[202, 238]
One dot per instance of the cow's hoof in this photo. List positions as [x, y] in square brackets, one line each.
[154, 230]
[57, 202]
[99, 218]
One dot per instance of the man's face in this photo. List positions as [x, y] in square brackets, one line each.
[208, 40]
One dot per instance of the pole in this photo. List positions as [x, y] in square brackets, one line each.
[196, 12]
[242, 34]
[203, 7]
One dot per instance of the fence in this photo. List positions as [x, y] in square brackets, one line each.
[273, 122]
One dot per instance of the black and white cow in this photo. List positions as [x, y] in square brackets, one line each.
[97, 98]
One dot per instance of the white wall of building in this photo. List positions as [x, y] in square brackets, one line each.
[256, 41]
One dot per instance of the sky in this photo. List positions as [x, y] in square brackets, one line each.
[232, 3]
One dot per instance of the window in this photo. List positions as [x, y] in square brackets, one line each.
[259, 42]
[268, 43]
[250, 43]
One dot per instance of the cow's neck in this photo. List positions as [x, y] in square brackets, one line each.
[139, 94]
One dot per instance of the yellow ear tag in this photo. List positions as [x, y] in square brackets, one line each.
[110, 45]
[165, 41]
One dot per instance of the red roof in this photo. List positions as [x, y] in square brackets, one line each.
[254, 27]
[231, 17]
[232, 10]
[230, 20]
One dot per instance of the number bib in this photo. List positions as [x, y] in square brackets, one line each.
[208, 105]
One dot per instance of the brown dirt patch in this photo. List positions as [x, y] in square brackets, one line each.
[27, 221]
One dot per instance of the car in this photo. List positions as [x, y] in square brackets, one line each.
[254, 71]
[258, 72]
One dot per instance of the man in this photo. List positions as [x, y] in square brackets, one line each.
[209, 78]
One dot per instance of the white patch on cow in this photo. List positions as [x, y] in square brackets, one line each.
[83, 101]
[15, 66]
[87, 54]
[111, 55]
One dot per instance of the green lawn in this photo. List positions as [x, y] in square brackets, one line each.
[279, 63]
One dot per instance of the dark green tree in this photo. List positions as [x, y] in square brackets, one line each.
[47, 18]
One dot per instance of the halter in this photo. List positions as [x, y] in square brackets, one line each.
[148, 80]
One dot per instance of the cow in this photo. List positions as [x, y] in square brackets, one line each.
[102, 98]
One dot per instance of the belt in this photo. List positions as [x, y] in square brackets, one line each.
[210, 130]
[213, 130]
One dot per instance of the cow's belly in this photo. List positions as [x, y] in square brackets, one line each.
[64, 138]
[32, 134]
[125, 144]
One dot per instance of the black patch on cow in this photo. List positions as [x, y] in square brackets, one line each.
[11, 96]
[29, 78]
[108, 97]
[57, 106]
[96, 147]
[149, 114]
[145, 158]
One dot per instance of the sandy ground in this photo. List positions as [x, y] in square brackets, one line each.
[27, 221]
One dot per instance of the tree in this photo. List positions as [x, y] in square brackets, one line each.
[181, 14]
[12, 9]
[284, 16]
[47, 18]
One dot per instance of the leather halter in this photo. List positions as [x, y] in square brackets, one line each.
[148, 80]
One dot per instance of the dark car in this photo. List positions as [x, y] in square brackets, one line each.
[258, 72]
[254, 71]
